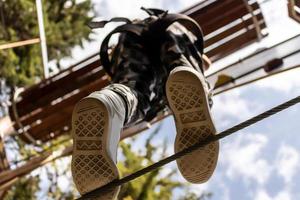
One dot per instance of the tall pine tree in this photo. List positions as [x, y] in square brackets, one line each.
[65, 26]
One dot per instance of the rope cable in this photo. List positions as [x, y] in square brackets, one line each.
[253, 70]
[257, 79]
[17, 119]
[221, 135]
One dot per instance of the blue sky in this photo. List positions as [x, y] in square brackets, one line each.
[261, 162]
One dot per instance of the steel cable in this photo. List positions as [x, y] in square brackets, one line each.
[118, 182]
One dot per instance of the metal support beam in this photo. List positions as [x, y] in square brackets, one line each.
[257, 60]
[39, 9]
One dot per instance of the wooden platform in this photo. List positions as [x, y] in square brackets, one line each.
[44, 110]
[228, 25]
[294, 9]
[254, 65]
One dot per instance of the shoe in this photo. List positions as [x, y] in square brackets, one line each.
[188, 97]
[97, 122]
[98, 119]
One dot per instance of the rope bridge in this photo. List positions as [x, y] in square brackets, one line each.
[119, 182]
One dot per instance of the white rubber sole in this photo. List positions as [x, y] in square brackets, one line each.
[92, 165]
[189, 104]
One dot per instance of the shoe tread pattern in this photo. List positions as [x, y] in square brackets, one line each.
[91, 165]
[188, 102]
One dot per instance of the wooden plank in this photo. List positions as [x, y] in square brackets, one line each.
[258, 59]
[292, 10]
[53, 122]
[45, 135]
[50, 109]
[234, 29]
[44, 88]
[45, 100]
[4, 188]
[19, 43]
[221, 20]
[68, 70]
[215, 9]
[26, 168]
[62, 118]
[44, 91]
[232, 45]
[4, 165]
[50, 92]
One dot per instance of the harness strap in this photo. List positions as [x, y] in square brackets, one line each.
[101, 24]
[149, 29]
[154, 11]
[104, 57]
[158, 26]
[190, 24]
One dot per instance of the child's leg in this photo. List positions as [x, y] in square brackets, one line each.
[98, 119]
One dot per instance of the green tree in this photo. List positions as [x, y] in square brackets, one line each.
[152, 186]
[24, 189]
[65, 26]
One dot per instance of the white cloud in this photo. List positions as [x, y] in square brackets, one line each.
[131, 8]
[232, 106]
[262, 195]
[286, 82]
[283, 195]
[242, 158]
[200, 189]
[287, 162]
[118, 8]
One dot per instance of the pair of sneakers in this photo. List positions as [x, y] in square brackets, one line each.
[98, 119]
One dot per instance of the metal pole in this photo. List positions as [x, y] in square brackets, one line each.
[42, 37]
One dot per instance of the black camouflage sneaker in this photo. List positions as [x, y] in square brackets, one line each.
[188, 96]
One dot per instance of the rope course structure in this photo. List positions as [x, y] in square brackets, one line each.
[16, 115]
[135, 130]
[119, 182]
[254, 23]
[258, 79]
[294, 9]
[49, 116]
[47, 155]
